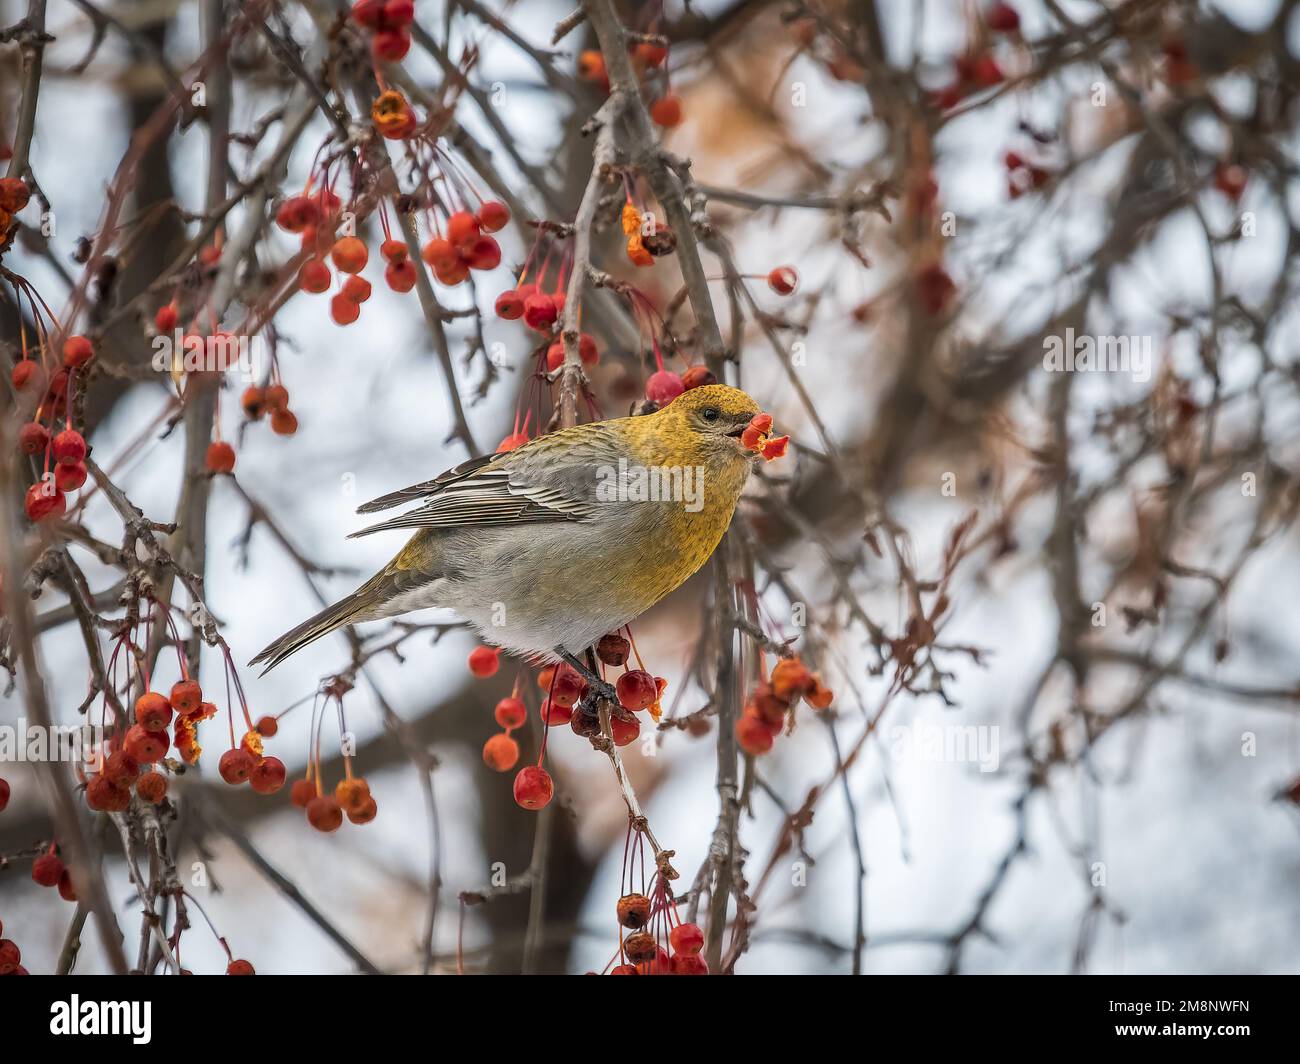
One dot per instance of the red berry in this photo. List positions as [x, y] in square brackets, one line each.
[104, 796]
[27, 374]
[399, 12]
[151, 787]
[240, 967]
[501, 753]
[356, 289]
[554, 714]
[33, 438]
[462, 227]
[145, 746]
[220, 457]
[66, 890]
[686, 939]
[566, 686]
[350, 254]
[484, 661]
[753, 735]
[637, 690]
[267, 727]
[10, 956]
[663, 387]
[623, 730]
[4, 794]
[492, 216]
[152, 711]
[439, 253]
[533, 787]
[390, 46]
[166, 317]
[688, 964]
[297, 214]
[314, 276]
[394, 250]
[510, 713]
[509, 305]
[77, 351]
[1230, 179]
[69, 447]
[186, 697]
[782, 280]
[120, 770]
[343, 310]
[368, 13]
[452, 273]
[46, 870]
[482, 253]
[268, 775]
[666, 111]
[650, 55]
[44, 500]
[236, 765]
[1003, 18]
[302, 792]
[400, 275]
[324, 813]
[540, 311]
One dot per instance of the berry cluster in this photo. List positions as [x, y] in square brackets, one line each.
[390, 24]
[769, 706]
[650, 62]
[48, 870]
[11, 957]
[351, 796]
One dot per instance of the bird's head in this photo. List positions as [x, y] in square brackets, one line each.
[715, 416]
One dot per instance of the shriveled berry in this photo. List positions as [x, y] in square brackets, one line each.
[152, 786]
[613, 649]
[640, 947]
[533, 787]
[634, 911]
[501, 753]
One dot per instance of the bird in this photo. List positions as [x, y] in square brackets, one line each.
[546, 548]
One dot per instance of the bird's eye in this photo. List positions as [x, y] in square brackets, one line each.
[710, 413]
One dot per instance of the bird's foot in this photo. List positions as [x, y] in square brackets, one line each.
[597, 689]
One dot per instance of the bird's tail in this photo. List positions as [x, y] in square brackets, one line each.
[354, 607]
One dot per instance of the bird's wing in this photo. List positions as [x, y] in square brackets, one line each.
[482, 492]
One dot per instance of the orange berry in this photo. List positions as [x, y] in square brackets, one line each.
[365, 814]
[186, 696]
[267, 727]
[356, 289]
[285, 422]
[666, 111]
[267, 775]
[352, 794]
[350, 254]
[510, 713]
[77, 351]
[152, 711]
[753, 735]
[501, 753]
[324, 813]
[236, 765]
[220, 457]
[302, 792]
[151, 787]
